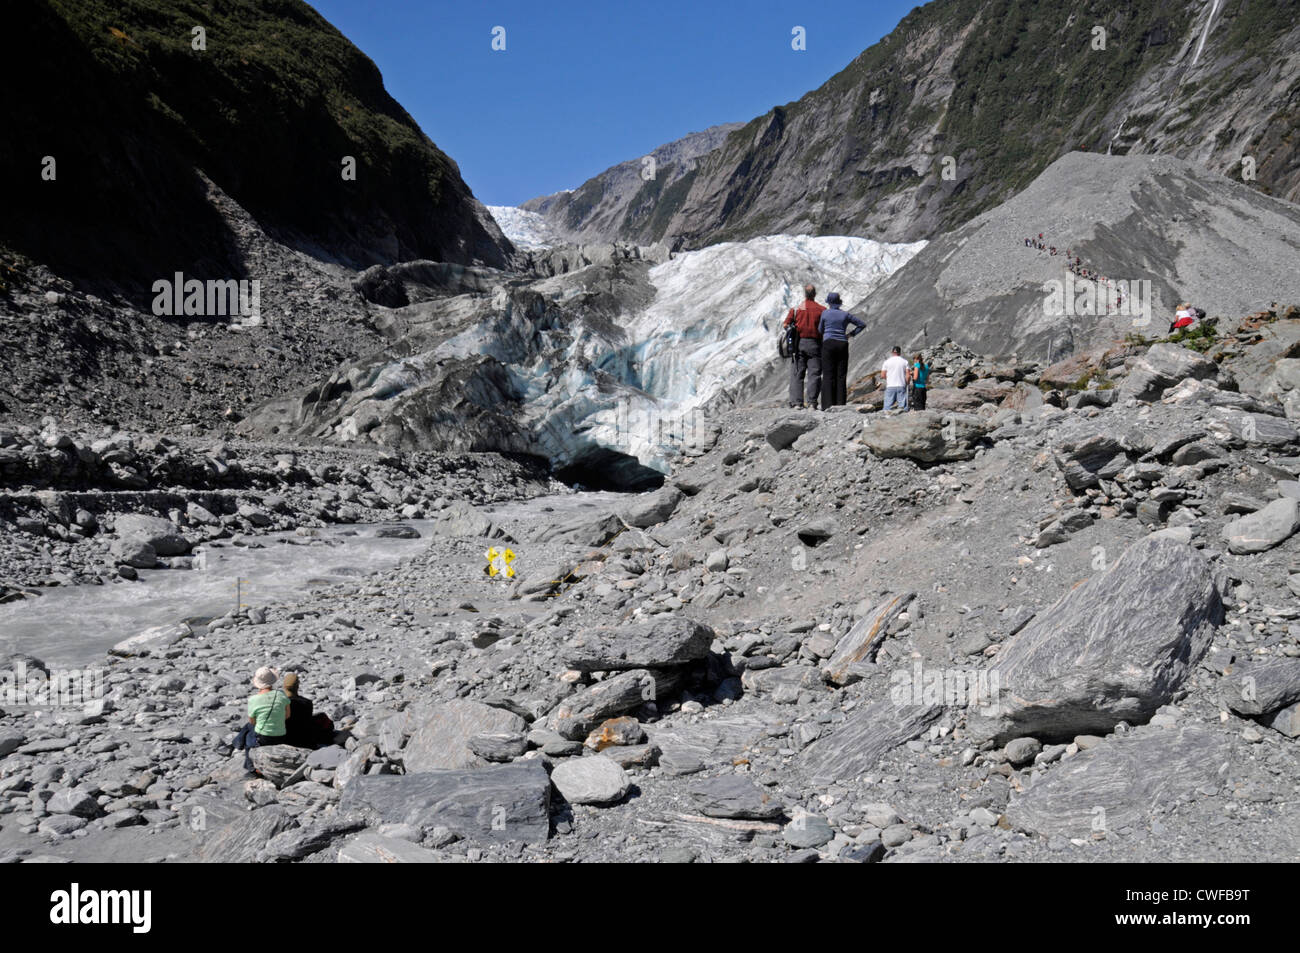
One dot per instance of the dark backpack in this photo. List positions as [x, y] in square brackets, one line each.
[788, 344]
[323, 729]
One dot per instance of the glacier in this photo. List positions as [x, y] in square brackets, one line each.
[609, 367]
[709, 330]
[526, 230]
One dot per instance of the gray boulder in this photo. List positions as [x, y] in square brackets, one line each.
[1163, 366]
[586, 708]
[280, 764]
[734, 796]
[153, 639]
[1236, 428]
[1261, 688]
[789, 429]
[927, 436]
[1120, 783]
[163, 535]
[862, 641]
[505, 802]
[593, 780]
[1263, 529]
[134, 552]
[666, 641]
[1113, 649]
[440, 734]
[1088, 462]
[868, 733]
[653, 508]
[378, 849]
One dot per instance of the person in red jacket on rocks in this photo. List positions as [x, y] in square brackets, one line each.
[806, 368]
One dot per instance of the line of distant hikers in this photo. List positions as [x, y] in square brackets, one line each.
[816, 341]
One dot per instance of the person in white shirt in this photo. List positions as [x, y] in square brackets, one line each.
[895, 375]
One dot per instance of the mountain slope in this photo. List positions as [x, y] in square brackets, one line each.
[138, 121]
[1192, 235]
[625, 200]
[1004, 88]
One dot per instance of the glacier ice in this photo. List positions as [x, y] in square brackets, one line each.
[643, 384]
[526, 230]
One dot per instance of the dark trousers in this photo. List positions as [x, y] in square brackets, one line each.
[918, 398]
[248, 739]
[835, 373]
[806, 373]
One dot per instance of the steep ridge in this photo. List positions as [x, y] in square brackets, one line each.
[1003, 89]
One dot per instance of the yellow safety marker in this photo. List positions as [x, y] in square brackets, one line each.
[498, 563]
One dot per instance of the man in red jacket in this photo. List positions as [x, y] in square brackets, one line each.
[807, 361]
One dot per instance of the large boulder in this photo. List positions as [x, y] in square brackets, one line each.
[1114, 648]
[1256, 688]
[280, 764]
[377, 849]
[652, 508]
[926, 436]
[1122, 783]
[439, 735]
[1263, 529]
[134, 552]
[163, 535]
[1163, 366]
[1235, 427]
[734, 796]
[463, 521]
[506, 802]
[666, 641]
[787, 430]
[1087, 462]
[587, 708]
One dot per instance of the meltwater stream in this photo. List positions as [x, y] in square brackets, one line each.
[76, 625]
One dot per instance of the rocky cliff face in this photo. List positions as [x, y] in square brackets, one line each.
[626, 202]
[1003, 90]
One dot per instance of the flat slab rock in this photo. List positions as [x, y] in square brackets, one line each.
[377, 849]
[1118, 783]
[664, 642]
[734, 796]
[870, 732]
[440, 735]
[1114, 648]
[507, 802]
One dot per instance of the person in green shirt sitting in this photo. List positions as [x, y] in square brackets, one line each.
[267, 711]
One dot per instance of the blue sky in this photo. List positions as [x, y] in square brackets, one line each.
[583, 85]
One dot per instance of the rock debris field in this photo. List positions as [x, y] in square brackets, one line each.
[1052, 618]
